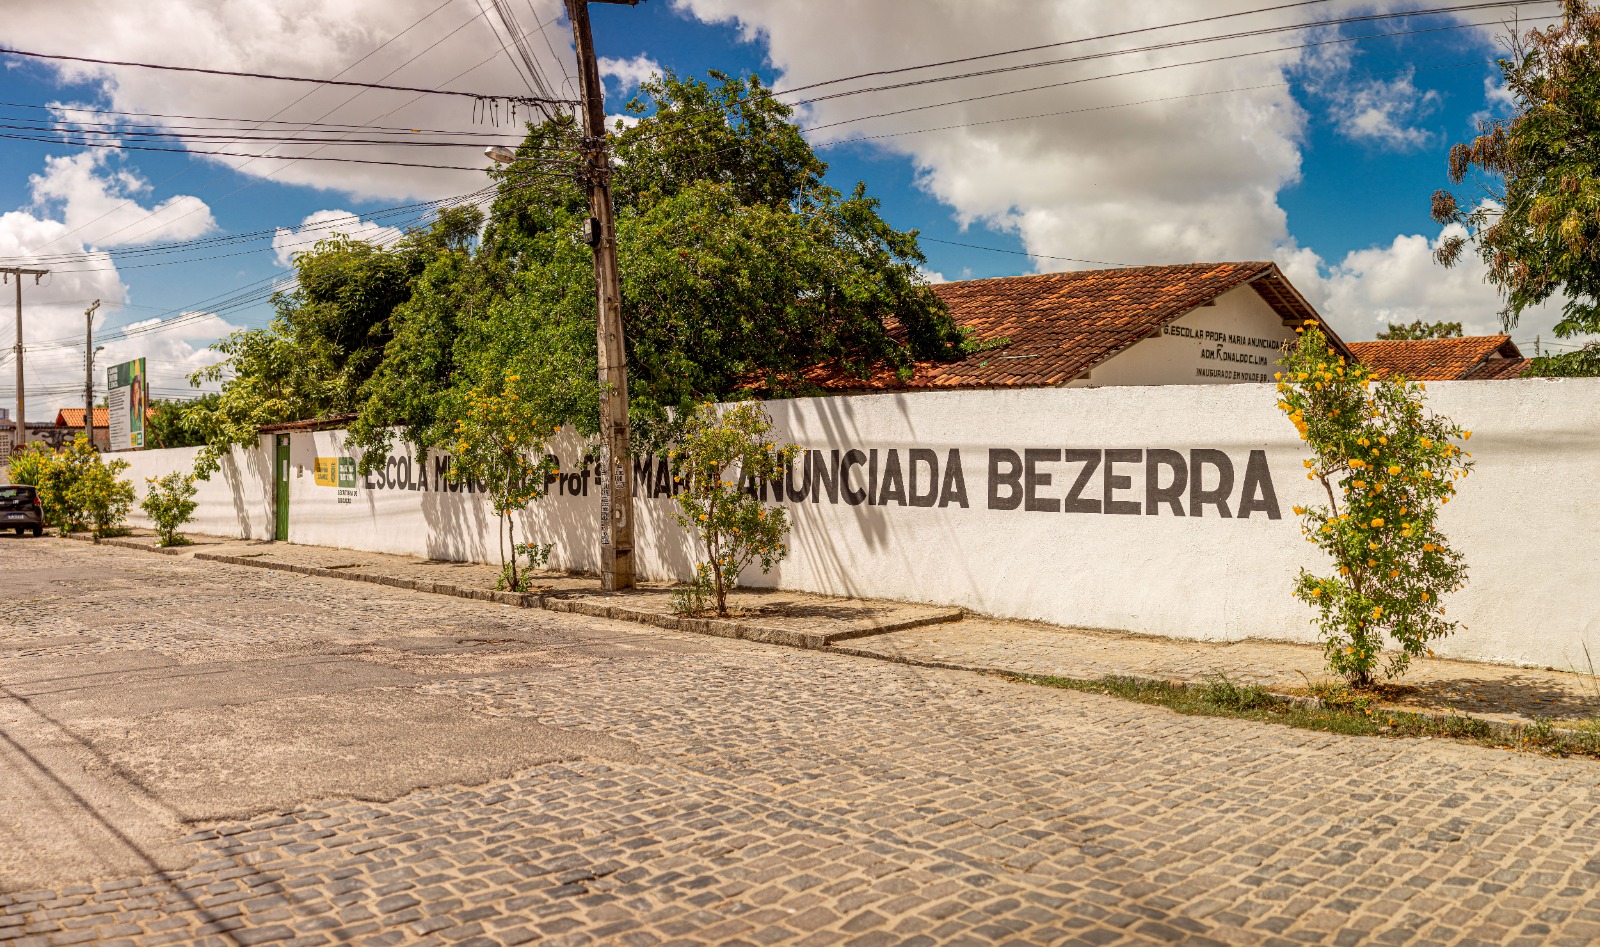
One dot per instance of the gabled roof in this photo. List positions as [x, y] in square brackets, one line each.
[73, 417]
[1059, 326]
[1479, 357]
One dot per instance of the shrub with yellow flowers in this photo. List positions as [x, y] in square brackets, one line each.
[499, 440]
[720, 448]
[1386, 464]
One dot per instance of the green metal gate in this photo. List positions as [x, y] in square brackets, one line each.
[281, 530]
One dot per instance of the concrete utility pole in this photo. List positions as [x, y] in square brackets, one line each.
[616, 481]
[88, 371]
[21, 438]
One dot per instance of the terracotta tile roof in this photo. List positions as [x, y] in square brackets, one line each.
[1472, 357]
[1061, 325]
[331, 422]
[73, 417]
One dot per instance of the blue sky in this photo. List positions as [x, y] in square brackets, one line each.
[1323, 159]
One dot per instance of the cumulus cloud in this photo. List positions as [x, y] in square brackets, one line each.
[1400, 282]
[629, 73]
[1382, 112]
[53, 323]
[100, 203]
[1185, 175]
[287, 241]
[452, 47]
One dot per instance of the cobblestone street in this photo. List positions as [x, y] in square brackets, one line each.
[197, 752]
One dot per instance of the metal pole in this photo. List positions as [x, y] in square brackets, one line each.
[20, 439]
[616, 482]
[88, 372]
[17, 273]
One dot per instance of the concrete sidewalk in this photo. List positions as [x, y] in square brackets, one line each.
[932, 636]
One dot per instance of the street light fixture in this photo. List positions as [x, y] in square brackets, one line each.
[500, 153]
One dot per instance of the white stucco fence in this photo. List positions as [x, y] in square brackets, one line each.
[1526, 519]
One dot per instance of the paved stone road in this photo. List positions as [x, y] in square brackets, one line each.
[200, 753]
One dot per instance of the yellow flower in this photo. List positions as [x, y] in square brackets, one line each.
[1424, 596]
[1393, 469]
[1466, 435]
[1426, 442]
[1298, 510]
[1377, 612]
[1427, 475]
[1360, 484]
[1377, 521]
[1383, 440]
[1357, 463]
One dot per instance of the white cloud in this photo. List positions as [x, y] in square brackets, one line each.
[1191, 176]
[306, 38]
[1383, 112]
[629, 73]
[286, 242]
[100, 203]
[1369, 289]
[53, 323]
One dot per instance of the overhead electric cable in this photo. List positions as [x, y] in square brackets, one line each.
[531, 100]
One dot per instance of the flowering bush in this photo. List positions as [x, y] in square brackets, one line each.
[721, 449]
[170, 503]
[1386, 464]
[496, 438]
[77, 488]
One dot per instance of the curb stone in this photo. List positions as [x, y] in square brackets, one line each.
[567, 602]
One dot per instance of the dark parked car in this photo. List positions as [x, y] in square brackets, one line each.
[20, 510]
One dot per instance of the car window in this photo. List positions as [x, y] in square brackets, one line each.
[11, 493]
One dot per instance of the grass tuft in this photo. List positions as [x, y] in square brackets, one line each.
[1338, 710]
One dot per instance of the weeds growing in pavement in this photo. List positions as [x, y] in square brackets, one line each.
[1338, 709]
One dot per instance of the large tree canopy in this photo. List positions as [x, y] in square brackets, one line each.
[740, 269]
[1536, 223]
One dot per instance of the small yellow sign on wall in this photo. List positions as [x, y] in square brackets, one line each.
[326, 471]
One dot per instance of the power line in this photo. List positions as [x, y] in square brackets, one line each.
[480, 96]
[1242, 34]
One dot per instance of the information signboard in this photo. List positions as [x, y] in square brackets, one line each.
[128, 395]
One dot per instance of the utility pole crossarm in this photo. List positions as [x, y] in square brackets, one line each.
[20, 439]
[616, 482]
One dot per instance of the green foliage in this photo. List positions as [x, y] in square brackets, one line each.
[498, 435]
[77, 487]
[1421, 330]
[1386, 464]
[721, 448]
[173, 423]
[1219, 691]
[101, 497]
[327, 339]
[696, 595]
[530, 558]
[170, 503]
[740, 270]
[1536, 228]
[1583, 363]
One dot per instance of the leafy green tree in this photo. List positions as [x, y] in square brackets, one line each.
[77, 488]
[721, 449]
[170, 503]
[740, 268]
[500, 442]
[1534, 223]
[1386, 464]
[1421, 330]
[1582, 363]
[175, 423]
[327, 338]
[98, 494]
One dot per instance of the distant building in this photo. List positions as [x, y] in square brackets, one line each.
[1192, 324]
[71, 419]
[1473, 358]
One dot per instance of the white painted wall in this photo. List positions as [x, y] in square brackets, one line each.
[237, 501]
[1232, 341]
[1526, 519]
